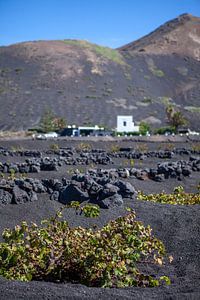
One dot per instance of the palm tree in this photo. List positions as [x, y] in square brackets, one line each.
[175, 118]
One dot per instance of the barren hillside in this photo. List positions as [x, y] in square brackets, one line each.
[90, 84]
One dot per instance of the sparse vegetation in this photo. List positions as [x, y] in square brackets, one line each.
[74, 204]
[193, 109]
[108, 90]
[165, 100]
[114, 148]
[157, 72]
[196, 147]
[178, 197]
[142, 103]
[147, 77]
[166, 146]
[5, 70]
[108, 257]
[91, 211]
[182, 70]
[92, 97]
[127, 75]
[84, 147]
[18, 70]
[7, 133]
[105, 52]
[128, 162]
[143, 147]
[2, 90]
[109, 53]
[17, 148]
[54, 147]
[12, 175]
[147, 100]
[153, 68]
[129, 90]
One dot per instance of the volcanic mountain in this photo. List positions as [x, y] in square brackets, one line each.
[180, 36]
[90, 84]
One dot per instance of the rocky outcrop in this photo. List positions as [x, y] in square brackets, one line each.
[106, 187]
[74, 157]
[80, 188]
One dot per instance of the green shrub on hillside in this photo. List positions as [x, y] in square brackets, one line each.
[157, 72]
[106, 52]
[193, 109]
[107, 257]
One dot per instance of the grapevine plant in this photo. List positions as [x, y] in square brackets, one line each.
[89, 210]
[107, 257]
[179, 196]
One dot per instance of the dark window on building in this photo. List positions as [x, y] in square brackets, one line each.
[124, 123]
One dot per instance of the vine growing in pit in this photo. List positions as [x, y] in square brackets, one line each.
[107, 257]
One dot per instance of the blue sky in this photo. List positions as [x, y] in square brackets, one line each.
[111, 23]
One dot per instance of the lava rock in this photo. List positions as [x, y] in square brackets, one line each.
[112, 201]
[19, 195]
[73, 193]
[55, 196]
[108, 191]
[124, 173]
[24, 168]
[193, 158]
[57, 185]
[186, 171]
[24, 185]
[141, 175]
[126, 190]
[34, 168]
[94, 191]
[5, 197]
[152, 173]
[159, 177]
[38, 187]
[104, 180]
[32, 196]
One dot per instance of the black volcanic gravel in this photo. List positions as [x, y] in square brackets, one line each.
[177, 226]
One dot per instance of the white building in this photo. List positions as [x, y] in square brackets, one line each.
[126, 124]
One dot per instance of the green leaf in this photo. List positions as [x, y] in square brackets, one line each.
[166, 279]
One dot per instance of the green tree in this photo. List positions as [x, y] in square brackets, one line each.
[46, 122]
[175, 118]
[59, 123]
[50, 122]
[144, 128]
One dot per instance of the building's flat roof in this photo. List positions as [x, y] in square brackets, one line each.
[89, 128]
[121, 116]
